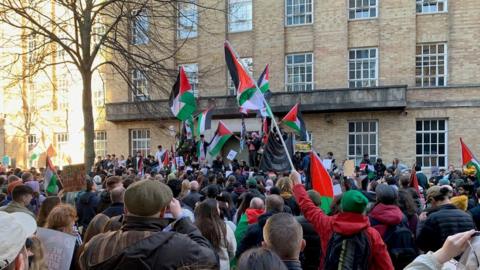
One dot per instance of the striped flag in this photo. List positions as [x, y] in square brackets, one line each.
[294, 120]
[50, 181]
[204, 121]
[263, 82]
[321, 181]
[182, 101]
[222, 134]
[469, 160]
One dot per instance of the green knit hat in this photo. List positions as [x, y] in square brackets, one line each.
[354, 201]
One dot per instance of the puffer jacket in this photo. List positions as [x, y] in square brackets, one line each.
[442, 222]
[149, 243]
[384, 216]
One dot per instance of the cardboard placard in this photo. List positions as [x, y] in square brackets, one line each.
[59, 248]
[349, 168]
[303, 147]
[231, 155]
[73, 177]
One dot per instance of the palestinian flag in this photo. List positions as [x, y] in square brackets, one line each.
[469, 160]
[182, 101]
[414, 181]
[50, 180]
[263, 82]
[166, 159]
[294, 120]
[204, 121]
[321, 181]
[219, 139]
[188, 128]
[248, 95]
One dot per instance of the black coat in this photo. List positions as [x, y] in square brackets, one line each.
[312, 251]
[254, 235]
[87, 205]
[192, 198]
[442, 222]
[475, 212]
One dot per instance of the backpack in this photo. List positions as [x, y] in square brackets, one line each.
[400, 243]
[348, 252]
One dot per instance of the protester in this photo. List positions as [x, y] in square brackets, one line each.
[260, 259]
[193, 196]
[21, 197]
[256, 209]
[117, 206]
[312, 251]
[47, 206]
[285, 186]
[87, 204]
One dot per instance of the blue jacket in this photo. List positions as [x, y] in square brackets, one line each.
[87, 204]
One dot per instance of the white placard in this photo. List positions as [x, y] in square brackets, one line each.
[232, 154]
[327, 163]
[337, 189]
[179, 161]
[58, 248]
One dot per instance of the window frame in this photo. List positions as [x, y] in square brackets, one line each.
[100, 142]
[60, 146]
[437, 55]
[182, 32]
[287, 84]
[355, 9]
[99, 97]
[287, 16]
[134, 89]
[63, 93]
[31, 143]
[193, 81]
[361, 122]
[229, 17]
[145, 150]
[422, 2]
[437, 131]
[377, 71]
[137, 15]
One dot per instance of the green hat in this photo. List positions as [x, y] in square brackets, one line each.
[354, 201]
[251, 182]
[145, 198]
[315, 197]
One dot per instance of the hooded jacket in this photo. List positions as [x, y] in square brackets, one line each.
[385, 216]
[345, 223]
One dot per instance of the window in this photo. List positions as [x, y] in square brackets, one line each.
[363, 67]
[248, 63]
[192, 73]
[299, 72]
[187, 19]
[140, 141]
[99, 97]
[432, 139]
[140, 26]
[139, 85]
[61, 143]
[431, 6]
[431, 65]
[239, 15]
[362, 139]
[298, 12]
[100, 143]
[32, 141]
[360, 9]
[98, 30]
[62, 94]
[32, 48]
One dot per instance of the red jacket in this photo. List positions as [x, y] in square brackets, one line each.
[386, 216]
[253, 214]
[346, 224]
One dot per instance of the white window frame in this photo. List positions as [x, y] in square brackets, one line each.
[32, 141]
[419, 58]
[61, 144]
[358, 10]
[248, 63]
[191, 70]
[99, 97]
[140, 136]
[139, 89]
[360, 133]
[241, 24]
[425, 6]
[364, 82]
[305, 83]
[296, 4]
[63, 102]
[188, 13]
[421, 157]
[100, 143]
[140, 20]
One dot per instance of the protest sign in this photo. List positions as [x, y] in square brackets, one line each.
[232, 154]
[303, 147]
[337, 189]
[59, 248]
[73, 177]
[179, 161]
[349, 168]
[327, 164]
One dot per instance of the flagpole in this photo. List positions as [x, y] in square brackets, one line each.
[269, 110]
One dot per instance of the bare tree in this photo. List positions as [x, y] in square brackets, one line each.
[126, 38]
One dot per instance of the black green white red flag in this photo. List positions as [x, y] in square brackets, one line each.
[263, 82]
[204, 121]
[221, 136]
[469, 160]
[182, 101]
[321, 181]
[294, 120]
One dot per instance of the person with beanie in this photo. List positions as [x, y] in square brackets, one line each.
[350, 221]
[441, 220]
[146, 239]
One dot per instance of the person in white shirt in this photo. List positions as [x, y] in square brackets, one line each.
[159, 157]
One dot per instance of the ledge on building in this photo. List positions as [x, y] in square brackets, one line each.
[329, 100]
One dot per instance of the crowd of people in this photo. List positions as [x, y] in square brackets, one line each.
[148, 213]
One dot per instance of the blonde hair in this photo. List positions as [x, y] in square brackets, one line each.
[285, 185]
[38, 251]
[185, 189]
[61, 217]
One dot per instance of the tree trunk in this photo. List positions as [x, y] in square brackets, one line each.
[88, 122]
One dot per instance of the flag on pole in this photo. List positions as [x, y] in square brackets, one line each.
[50, 180]
[182, 100]
[248, 95]
[188, 128]
[243, 134]
[204, 121]
[263, 82]
[321, 181]
[469, 160]
[294, 120]
[222, 134]
[414, 181]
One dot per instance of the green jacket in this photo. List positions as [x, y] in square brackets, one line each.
[14, 206]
